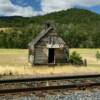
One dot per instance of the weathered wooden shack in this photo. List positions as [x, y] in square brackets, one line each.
[48, 47]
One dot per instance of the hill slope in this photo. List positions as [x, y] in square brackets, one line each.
[78, 27]
[75, 16]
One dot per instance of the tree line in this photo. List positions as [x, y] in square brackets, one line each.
[79, 28]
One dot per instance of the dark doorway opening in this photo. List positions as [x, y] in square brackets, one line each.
[51, 55]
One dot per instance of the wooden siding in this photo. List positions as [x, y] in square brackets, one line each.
[60, 56]
[41, 50]
[41, 55]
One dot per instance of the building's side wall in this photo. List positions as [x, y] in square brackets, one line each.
[31, 55]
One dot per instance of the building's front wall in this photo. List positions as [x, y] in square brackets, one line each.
[41, 55]
[41, 51]
[60, 55]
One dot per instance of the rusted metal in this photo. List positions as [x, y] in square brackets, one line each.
[49, 78]
[71, 86]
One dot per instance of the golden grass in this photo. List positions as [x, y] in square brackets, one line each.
[12, 57]
[44, 70]
[15, 62]
[6, 29]
[89, 55]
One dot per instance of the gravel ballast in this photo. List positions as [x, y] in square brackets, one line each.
[93, 94]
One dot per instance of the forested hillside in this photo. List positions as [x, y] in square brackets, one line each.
[79, 28]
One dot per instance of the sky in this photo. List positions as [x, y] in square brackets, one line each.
[28, 8]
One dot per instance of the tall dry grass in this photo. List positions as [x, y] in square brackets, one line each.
[15, 62]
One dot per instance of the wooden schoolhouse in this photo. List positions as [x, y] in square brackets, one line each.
[48, 47]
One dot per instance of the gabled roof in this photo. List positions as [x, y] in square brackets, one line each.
[40, 35]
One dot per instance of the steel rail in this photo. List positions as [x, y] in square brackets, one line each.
[71, 86]
[48, 78]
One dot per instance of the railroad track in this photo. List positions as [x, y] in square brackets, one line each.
[71, 86]
[49, 78]
[52, 87]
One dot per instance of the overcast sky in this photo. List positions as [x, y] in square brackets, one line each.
[28, 8]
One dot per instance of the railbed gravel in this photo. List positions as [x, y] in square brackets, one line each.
[88, 94]
[92, 94]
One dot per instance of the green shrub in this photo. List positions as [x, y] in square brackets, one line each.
[75, 59]
[98, 55]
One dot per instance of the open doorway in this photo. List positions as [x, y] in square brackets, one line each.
[51, 55]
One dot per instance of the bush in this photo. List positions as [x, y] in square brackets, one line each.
[98, 55]
[75, 59]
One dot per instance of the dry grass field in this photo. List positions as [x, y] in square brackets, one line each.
[15, 62]
[5, 29]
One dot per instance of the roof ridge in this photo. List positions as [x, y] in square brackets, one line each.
[40, 35]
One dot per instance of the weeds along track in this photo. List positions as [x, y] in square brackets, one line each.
[49, 83]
